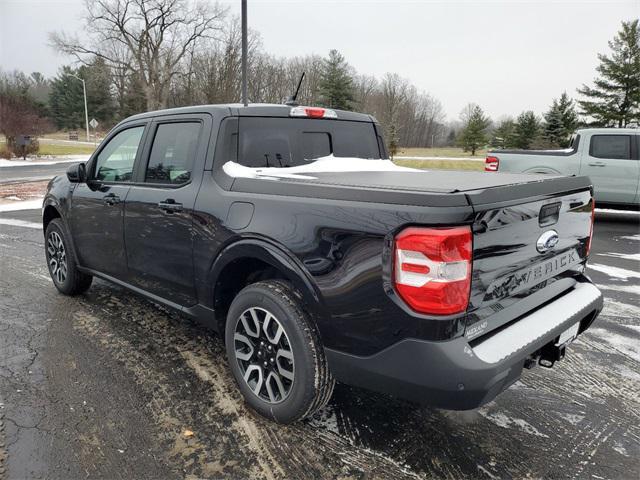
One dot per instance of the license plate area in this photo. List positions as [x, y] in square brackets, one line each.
[568, 335]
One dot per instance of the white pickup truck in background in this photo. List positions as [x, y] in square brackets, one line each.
[609, 156]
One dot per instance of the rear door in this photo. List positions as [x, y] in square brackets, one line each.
[97, 206]
[159, 207]
[611, 161]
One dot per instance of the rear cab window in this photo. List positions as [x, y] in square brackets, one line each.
[290, 142]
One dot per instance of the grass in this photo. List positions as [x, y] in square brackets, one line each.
[439, 152]
[442, 164]
[65, 149]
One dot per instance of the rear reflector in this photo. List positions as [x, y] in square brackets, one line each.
[491, 164]
[312, 112]
[432, 269]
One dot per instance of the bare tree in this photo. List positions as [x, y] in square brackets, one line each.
[146, 38]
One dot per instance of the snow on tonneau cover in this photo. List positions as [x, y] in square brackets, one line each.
[511, 213]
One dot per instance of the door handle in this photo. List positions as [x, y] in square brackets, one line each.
[597, 164]
[170, 206]
[111, 199]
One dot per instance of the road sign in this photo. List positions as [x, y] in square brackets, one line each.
[94, 123]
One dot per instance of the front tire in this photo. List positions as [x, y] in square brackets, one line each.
[275, 353]
[61, 261]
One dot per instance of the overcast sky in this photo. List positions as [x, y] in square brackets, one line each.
[507, 56]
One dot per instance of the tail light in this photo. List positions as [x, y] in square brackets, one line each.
[491, 164]
[593, 217]
[432, 270]
[312, 112]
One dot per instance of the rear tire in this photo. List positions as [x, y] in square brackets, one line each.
[61, 261]
[275, 353]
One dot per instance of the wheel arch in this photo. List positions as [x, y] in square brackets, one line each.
[250, 260]
[49, 212]
[543, 170]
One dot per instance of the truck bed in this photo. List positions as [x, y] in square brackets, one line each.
[419, 187]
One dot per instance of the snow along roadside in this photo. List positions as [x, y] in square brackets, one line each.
[36, 161]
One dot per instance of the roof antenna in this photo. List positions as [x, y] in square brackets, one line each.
[291, 101]
[244, 53]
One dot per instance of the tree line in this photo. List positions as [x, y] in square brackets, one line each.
[144, 55]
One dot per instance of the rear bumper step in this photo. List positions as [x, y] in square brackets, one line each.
[455, 376]
[536, 325]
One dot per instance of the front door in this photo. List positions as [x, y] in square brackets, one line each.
[97, 207]
[159, 207]
[612, 164]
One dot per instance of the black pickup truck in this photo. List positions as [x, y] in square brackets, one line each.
[290, 232]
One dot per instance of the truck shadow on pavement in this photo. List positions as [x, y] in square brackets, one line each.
[159, 400]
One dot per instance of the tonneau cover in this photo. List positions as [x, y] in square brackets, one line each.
[420, 187]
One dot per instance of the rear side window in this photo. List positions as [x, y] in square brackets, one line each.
[173, 153]
[288, 142]
[611, 146]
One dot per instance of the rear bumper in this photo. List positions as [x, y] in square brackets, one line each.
[457, 375]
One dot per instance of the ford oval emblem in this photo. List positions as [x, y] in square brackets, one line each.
[547, 241]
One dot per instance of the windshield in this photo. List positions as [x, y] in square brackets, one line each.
[292, 142]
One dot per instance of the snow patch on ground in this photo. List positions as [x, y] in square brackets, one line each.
[627, 256]
[634, 289]
[628, 372]
[620, 310]
[20, 223]
[38, 161]
[23, 205]
[625, 345]
[321, 165]
[572, 418]
[326, 419]
[614, 272]
[504, 421]
[620, 449]
[634, 238]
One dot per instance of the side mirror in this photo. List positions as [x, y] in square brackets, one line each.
[77, 173]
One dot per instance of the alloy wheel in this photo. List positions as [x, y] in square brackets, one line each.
[263, 352]
[57, 257]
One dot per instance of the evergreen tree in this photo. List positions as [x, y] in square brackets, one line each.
[66, 100]
[569, 118]
[503, 135]
[474, 130]
[336, 82]
[561, 120]
[527, 128]
[615, 97]
[553, 128]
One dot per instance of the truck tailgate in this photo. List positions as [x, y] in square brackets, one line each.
[525, 252]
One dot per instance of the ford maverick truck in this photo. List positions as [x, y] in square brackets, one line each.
[290, 232]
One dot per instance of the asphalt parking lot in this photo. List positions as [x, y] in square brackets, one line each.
[111, 385]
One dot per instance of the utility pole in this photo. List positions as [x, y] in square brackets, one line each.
[244, 53]
[86, 112]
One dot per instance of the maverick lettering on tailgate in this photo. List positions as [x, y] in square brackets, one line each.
[528, 277]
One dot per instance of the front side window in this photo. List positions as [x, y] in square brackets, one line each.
[173, 153]
[115, 161]
[611, 146]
